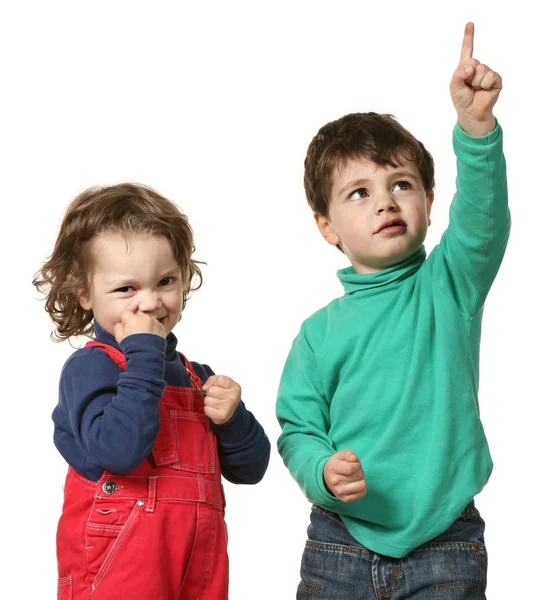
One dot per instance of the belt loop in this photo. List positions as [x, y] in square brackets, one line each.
[152, 494]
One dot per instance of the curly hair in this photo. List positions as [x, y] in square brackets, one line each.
[371, 136]
[126, 208]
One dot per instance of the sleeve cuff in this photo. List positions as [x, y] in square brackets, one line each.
[321, 487]
[462, 136]
[143, 341]
[236, 427]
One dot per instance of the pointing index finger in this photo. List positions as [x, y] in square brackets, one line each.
[468, 41]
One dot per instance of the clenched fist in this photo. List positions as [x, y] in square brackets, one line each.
[137, 323]
[223, 395]
[344, 476]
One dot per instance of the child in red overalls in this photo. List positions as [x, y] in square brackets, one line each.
[146, 433]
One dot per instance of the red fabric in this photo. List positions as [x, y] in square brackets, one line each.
[159, 532]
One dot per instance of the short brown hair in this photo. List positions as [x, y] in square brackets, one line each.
[125, 208]
[379, 138]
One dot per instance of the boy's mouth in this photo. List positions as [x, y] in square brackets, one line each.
[392, 226]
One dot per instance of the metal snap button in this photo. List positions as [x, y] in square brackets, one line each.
[109, 487]
[140, 503]
[475, 547]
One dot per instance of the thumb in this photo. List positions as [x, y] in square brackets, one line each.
[462, 77]
[347, 456]
[118, 331]
[209, 382]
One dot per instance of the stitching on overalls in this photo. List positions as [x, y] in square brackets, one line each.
[118, 543]
[194, 541]
[210, 551]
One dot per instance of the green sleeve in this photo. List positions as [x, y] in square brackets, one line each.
[472, 248]
[303, 414]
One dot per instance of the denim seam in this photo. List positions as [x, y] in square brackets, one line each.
[452, 545]
[462, 585]
[311, 587]
[336, 548]
[330, 515]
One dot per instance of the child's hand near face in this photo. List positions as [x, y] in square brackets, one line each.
[344, 476]
[474, 89]
[223, 395]
[137, 323]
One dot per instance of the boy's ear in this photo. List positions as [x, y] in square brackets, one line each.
[429, 202]
[83, 298]
[326, 229]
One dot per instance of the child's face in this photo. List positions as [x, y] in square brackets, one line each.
[364, 198]
[137, 273]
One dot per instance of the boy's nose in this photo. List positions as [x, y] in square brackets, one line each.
[385, 203]
[149, 301]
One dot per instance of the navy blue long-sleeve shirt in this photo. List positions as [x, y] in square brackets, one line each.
[109, 419]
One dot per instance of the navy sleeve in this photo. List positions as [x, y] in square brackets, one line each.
[243, 446]
[114, 415]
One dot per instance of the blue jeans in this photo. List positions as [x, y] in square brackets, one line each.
[452, 566]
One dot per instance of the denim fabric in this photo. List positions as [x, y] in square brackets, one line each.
[452, 566]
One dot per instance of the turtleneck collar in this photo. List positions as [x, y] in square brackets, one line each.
[353, 282]
[106, 338]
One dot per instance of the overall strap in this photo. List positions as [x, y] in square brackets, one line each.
[117, 356]
[198, 383]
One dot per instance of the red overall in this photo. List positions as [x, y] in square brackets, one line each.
[157, 533]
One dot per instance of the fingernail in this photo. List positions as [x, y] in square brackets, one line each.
[468, 70]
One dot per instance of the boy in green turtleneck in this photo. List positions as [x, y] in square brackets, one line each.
[378, 399]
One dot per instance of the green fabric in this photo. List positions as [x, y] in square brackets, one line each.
[390, 371]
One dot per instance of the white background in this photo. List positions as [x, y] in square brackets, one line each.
[214, 104]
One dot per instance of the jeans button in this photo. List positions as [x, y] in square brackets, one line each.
[109, 487]
[475, 547]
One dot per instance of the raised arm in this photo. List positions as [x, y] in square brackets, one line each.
[472, 248]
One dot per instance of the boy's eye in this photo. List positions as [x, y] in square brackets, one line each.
[166, 281]
[404, 185]
[125, 289]
[358, 194]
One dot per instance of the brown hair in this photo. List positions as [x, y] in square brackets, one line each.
[126, 208]
[379, 138]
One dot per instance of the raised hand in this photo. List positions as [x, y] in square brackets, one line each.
[474, 89]
[223, 395]
[137, 323]
[344, 476]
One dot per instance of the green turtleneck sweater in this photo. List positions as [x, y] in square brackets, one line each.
[390, 371]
